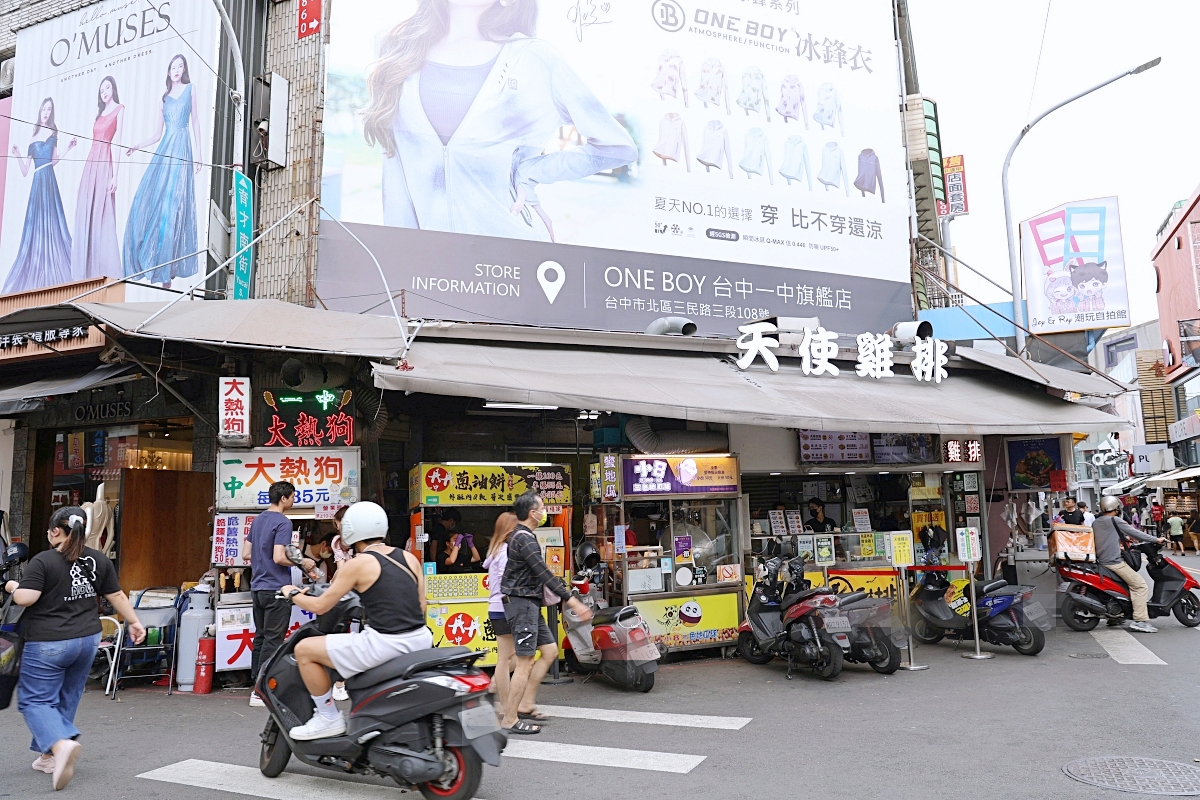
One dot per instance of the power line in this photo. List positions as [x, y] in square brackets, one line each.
[1037, 68]
[171, 25]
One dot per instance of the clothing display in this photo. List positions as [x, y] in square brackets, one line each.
[712, 88]
[791, 100]
[757, 157]
[716, 148]
[795, 161]
[754, 93]
[833, 167]
[671, 79]
[95, 253]
[672, 136]
[869, 174]
[44, 255]
[447, 93]
[829, 108]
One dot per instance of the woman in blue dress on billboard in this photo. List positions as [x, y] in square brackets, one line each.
[162, 219]
[44, 256]
[463, 103]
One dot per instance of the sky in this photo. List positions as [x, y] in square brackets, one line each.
[1134, 139]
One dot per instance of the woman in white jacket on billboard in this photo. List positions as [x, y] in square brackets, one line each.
[463, 102]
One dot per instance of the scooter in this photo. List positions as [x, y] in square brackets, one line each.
[424, 719]
[615, 642]
[870, 635]
[1006, 615]
[791, 620]
[1094, 593]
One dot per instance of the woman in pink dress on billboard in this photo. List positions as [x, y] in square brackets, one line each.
[94, 252]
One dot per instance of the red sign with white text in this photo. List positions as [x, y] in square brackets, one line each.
[308, 20]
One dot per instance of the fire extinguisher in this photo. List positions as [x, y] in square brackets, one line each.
[206, 661]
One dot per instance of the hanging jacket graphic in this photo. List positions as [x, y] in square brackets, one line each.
[757, 157]
[869, 174]
[754, 93]
[833, 167]
[670, 79]
[791, 100]
[712, 88]
[795, 161]
[829, 108]
[716, 148]
[672, 136]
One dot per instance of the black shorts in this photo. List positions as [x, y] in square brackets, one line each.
[499, 623]
[528, 626]
[1178, 538]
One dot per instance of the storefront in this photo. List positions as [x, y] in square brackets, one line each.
[669, 531]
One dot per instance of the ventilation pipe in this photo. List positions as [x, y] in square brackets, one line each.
[371, 410]
[301, 377]
[671, 326]
[647, 440]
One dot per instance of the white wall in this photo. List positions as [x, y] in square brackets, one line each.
[764, 449]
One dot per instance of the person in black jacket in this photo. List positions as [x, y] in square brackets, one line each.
[524, 576]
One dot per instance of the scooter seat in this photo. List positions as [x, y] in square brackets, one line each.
[609, 616]
[407, 664]
[804, 594]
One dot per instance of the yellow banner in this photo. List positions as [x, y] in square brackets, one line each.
[486, 484]
[685, 622]
[466, 586]
[466, 624]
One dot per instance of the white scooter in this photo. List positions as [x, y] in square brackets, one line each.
[616, 642]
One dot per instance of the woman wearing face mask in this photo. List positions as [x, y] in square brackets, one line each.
[61, 625]
[463, 101]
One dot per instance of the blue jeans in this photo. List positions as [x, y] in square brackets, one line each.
[51, 685]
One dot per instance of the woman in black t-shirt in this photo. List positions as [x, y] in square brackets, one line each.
[61, 626]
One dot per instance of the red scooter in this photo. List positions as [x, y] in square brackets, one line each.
[1094, 593]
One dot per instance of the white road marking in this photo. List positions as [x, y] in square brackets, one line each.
[571, 754]
[1123, 648]
[249, 781]
[648, 717]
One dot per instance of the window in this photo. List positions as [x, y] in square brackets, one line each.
[1178, 242]
[1115, 351]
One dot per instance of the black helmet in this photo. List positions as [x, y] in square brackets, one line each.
[14, 554]
[587, 556]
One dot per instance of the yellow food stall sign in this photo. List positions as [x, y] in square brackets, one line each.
[691, 622]
[902, 550]
[486, 484]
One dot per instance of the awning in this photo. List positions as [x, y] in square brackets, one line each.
[1133, 485]
[1170, 480]
[708, 387]
[1064, 380]
[28, 396]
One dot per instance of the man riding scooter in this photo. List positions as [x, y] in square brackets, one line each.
[1108, 555]
[391, 585]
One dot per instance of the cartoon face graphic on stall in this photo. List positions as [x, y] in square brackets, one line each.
[1089, 281]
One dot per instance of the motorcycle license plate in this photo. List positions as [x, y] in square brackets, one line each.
[1034, 611]
[646, 652]
[837, 624]
[478, 720]
[1062, 587]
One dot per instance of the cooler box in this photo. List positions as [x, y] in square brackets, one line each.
[1072, 543]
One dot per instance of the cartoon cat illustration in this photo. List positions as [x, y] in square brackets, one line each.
[1060, 292]
[1089, 281]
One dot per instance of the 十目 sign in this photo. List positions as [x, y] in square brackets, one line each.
[321, 476]
[651, 476]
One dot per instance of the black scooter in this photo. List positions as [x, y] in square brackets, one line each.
[424, 719]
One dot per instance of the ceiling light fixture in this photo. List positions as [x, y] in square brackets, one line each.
[517, 406]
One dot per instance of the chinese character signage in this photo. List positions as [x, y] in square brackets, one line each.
[733, 163]
[1031, 463]
[231, 540]
[487, 484]
[243, 232]
[955, 172]
[321, 476]
[233, 409]
[324, 418]
[608, 477]
[905, 448]
[675, 476]
[1074, 268]
[820, 447]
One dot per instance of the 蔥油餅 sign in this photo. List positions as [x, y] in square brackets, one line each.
[112, 121]
[320, 475]
[734, 163]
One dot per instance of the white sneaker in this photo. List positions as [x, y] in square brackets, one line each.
[339, 692]
[45, 764]
[256, 701]
[1141, 627]
[319, 727]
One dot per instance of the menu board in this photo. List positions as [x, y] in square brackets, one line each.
[821, 447]
[778, 526]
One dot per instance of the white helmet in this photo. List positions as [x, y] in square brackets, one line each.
[1109, 503]
[364, 521]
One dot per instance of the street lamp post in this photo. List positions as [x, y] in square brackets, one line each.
[1014, 267]
[238, 95]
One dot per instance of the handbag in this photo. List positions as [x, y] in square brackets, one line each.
[549, 598]
[1132, 557]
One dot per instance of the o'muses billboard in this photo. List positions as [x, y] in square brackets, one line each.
[602, 165]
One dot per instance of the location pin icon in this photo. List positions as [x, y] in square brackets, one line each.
[551, 276]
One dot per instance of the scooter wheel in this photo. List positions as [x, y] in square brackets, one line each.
[748, 649]
[645, 682]
[834, 667]
[891, 661]
[1076, 617]
[1187, 610]
[1032, 640]
[275, 751]
[927, 633]
[464, 782]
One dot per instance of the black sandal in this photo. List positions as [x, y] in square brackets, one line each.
[524, 728]
[535, 715]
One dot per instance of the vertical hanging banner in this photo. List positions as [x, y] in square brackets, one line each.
[243, 232]
[233, 410]
[112, 126]
[308, 18]
[955, 173]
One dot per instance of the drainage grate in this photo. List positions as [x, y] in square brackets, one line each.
[1138, 775]
[1088, 655]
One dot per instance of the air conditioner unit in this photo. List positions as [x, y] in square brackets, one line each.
[8, 69]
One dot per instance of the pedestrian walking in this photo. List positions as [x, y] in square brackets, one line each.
[1175, 529]
[527, 580]
[497, 558]
[1088, 516]
[270, 534]
[61, 628]
[1156, 517]
[1193, 530]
